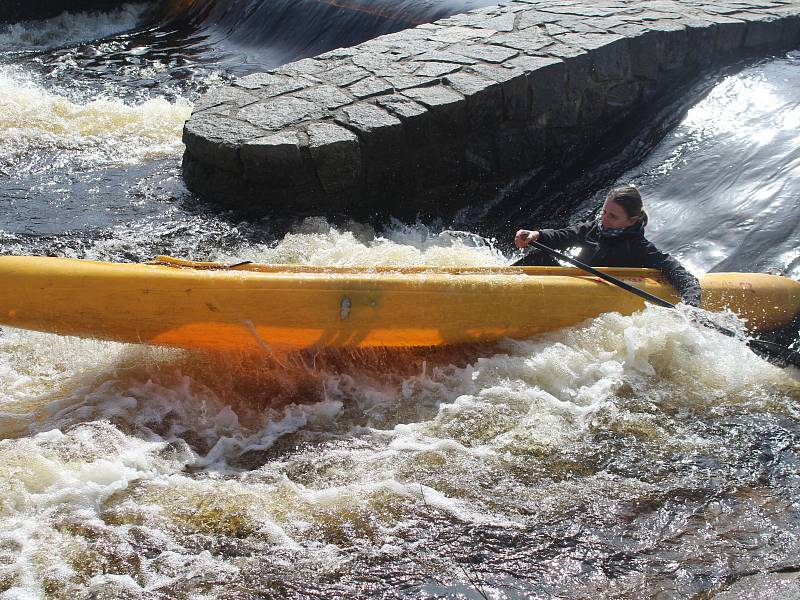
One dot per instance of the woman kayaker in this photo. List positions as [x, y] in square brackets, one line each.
[614, 239]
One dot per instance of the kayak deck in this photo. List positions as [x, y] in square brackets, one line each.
[186, 304]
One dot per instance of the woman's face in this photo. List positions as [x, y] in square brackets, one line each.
[613, 216]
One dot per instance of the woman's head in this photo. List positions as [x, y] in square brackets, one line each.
[622, 208]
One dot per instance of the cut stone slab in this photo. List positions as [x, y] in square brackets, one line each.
[336, 154]
[434, 97]
[327, 96]
[371, 86]
[485, 53]
[447, 107]
[344, 75]
[381, 130]
[484, 98]
[458, 34]
[276, 152]
[446, 57]
[529, 41]
[269, 84]
[216, 140]
[403, 82]
[280, 112]
[224, 95]
[435, 69]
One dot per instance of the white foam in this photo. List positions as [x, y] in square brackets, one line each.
[118, 432]
[70, 28]
[317, 242]
[102, 131]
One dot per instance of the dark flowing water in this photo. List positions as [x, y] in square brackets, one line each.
[628, 457]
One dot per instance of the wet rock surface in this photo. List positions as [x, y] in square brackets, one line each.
[432, 119]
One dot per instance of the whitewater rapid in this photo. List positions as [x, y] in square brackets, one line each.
[629, 456]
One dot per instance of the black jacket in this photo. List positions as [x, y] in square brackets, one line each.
[630, 249]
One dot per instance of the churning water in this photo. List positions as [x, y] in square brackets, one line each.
[627, 457]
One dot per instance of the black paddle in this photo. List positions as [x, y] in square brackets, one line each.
[771, 350]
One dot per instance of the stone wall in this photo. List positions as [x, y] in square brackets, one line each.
[12, 11]
[434, 118]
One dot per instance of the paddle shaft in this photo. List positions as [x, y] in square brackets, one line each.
[603, 276]
[770, 348]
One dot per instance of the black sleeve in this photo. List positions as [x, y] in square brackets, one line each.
[684, 282]
[561, 239]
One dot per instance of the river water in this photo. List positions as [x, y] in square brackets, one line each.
[627, 457]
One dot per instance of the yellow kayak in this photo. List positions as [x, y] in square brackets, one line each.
[185, 304]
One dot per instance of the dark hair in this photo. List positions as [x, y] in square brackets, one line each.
[629, 198]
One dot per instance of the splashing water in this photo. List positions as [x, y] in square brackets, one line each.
[630, 456]
[70, 28]
[105, 131]
[538, 466]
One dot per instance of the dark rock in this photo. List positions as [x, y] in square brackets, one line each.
[579, 76]
[277, 152]
[623, 95]
[379, 131]
[762, 33]
[548, 87]
[484, 98]
[729, 35]
[646, 51]
[674, 44]
[519, 146]
[700, 34]
[479, 157]
[446, 106]
[514, 83]
[336, 154]
[415, 117]
[592, 106]
[568, 113]
[790, 33]
[216, 140]
[442, 164]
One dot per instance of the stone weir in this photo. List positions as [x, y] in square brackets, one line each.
[432, 119]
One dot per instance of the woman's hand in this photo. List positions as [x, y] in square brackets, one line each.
[525, 237]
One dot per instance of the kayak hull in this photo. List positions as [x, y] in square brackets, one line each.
[255, 307]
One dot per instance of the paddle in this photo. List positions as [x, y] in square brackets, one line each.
[770, 349]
